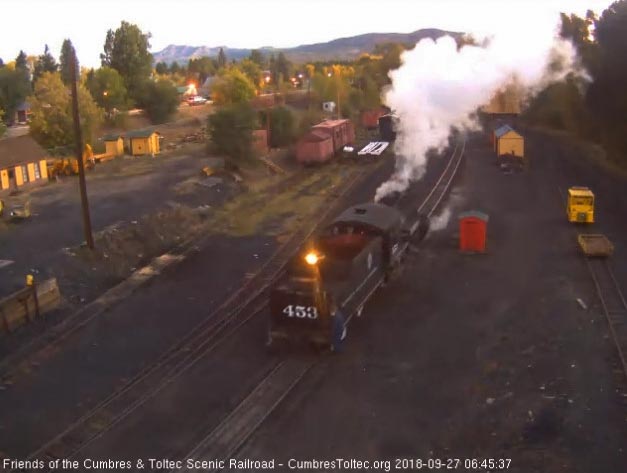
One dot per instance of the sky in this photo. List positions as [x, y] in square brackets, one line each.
[30, 24]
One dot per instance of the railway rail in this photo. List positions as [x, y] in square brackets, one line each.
[234, 431]
[217, 327]
[613, 304]
[611, 297]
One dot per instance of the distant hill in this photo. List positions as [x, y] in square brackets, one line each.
[338, 49]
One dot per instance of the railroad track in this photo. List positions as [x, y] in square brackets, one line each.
[217, 327]
[224, 441]
[613, 303]
[220, 443]
[611, 297]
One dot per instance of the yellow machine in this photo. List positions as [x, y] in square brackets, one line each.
[580, 205]
[69, 166]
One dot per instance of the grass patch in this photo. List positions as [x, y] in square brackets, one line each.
[262, 211]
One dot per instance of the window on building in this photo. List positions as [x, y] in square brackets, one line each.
[37, 171]
[24, 174]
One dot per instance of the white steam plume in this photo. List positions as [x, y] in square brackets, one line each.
[438, 86]
[440, 222]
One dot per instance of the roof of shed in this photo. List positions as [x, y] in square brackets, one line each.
[141, 133]
[112, 137]
[316, 136]
[331, 123]
[474, 213]
[20, 150]
[505, 129]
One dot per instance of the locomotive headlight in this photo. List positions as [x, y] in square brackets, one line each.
[312, 258]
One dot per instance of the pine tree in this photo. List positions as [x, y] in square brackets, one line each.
[221, 59]
[45, 63]
[20, 61]
[67, 57]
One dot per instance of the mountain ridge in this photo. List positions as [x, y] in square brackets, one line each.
[345, 48]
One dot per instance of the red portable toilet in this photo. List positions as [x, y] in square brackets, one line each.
[472, 231]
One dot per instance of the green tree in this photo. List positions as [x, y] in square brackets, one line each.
[126, 51]
[3, 127]
[283, 68]
[45, 63]
[559, 106]
[66, 59]
[257, 57]
[221, 59]
[21, 61]
[14, 88]
[174, 68]
[252, 70]
[51, 108]
[231, 130]
[161, 68]
[577, 30]
[202, 68]
[231, 87]
[107, 88]
[607, 95]
[282, 126]
[160, 100]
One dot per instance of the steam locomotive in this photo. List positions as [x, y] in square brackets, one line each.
[332, 276]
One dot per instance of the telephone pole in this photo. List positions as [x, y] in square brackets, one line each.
[78, 137]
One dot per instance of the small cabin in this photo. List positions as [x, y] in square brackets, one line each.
[142, 142]
[114, 145]
[473, 227]
[22, 162]
[508, 142]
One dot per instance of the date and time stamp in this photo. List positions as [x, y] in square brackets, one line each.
[234, 464]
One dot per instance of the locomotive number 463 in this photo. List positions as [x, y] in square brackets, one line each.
[301, 312]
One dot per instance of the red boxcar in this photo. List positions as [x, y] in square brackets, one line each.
[324, 140]
[341, 132]
[472, 231]
[370, 118]
[314, 147]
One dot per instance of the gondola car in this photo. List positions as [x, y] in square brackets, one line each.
[334, 274]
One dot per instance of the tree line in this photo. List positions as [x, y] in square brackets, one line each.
[126, 78]
[593, 107]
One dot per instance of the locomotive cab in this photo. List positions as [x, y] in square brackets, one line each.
[330, 279]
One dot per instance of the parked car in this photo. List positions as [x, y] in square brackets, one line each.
[196, 100]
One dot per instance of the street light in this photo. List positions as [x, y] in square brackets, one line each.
[337, 85]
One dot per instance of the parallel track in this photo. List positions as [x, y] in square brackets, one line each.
[231, 434]
[612, 299]
[613, 303]
[217, 327]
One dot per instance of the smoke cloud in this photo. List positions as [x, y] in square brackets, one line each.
[439, 86]
[440, 222]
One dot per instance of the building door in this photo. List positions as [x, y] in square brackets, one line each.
[12, 181]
